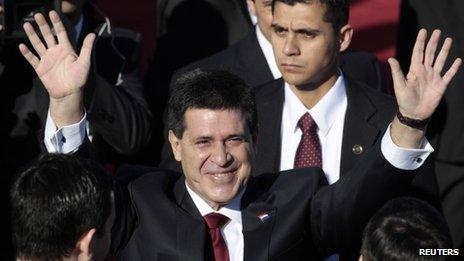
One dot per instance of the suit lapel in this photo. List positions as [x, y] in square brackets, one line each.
[358, 133]
[191, 228]
[269, 103]
[258, 219]
[252, 62]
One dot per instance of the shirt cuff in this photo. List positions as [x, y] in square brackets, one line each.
[66, 139]
[404, 158]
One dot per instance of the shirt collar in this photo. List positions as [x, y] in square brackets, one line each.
[231, 210]
[324, 112]
[268, 52]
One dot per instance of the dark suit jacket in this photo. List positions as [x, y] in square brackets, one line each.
[308, 219]
[367, 116]
[116, 109]
[246, 60]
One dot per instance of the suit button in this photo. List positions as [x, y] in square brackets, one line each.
[357, 149]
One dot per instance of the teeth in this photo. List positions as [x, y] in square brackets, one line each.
[221, 174]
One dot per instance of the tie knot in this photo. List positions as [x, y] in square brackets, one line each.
[215, 220]
[307, 124]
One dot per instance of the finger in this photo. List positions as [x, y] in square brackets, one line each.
[443, 55]
[30, 57]
[397, 75]
[431, 48]
[418, 50]
[452, 71]
[1, 11]
[86, 50]
[60, 30]
[45, 30]
[37, 44]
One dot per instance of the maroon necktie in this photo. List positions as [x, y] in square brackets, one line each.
[215, 221]
[308, 153]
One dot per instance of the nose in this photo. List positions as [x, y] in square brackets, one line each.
[220, 155]
[290, 47]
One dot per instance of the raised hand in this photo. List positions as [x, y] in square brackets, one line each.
[419, 94]
[62, 72]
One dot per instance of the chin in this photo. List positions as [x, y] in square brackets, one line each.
[223, 196]
[294, 80]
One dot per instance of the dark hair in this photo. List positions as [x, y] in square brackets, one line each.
[402, 227]
[215, 90]
[337, 12]
[54, 202]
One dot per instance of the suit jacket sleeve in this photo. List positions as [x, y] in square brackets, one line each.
[116, 107]
[340, 211]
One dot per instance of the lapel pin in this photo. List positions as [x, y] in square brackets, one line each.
[264, 217]
[357, 149]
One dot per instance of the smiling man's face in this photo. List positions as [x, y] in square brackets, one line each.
[215, 151]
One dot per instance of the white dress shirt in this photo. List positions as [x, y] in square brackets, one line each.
[232, 231]
[268, 52]
[329, 115]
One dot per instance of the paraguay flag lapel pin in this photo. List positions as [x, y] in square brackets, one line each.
[264, 216]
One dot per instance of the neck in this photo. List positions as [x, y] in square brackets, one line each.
[311, 93]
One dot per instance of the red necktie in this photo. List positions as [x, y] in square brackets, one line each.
[215, 221]
[308, 153]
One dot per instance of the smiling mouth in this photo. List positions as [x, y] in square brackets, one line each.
[223, 177]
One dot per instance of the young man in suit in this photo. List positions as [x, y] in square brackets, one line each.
[62, 209]
[165, 215]
[252, 59]
[349, 117]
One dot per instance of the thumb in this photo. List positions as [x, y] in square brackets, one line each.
[86, 50]
[397, 75]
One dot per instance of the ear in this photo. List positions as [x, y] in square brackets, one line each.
[251, 7]
[345, 34]
[82, 249]
[175, 145]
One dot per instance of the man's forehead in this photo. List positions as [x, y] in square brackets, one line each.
[299, 15]
[213, 119]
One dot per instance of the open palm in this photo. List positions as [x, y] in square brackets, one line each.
[62, 72]
[419, 94]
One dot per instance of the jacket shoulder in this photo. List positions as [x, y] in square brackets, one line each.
[224, 60]
[269, 88]
[290, 182]
[141, 177]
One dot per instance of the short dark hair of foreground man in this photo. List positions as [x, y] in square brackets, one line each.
[62, 207]
[404, 226]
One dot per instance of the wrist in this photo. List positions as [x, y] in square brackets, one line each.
[67, 110]
[413, 122]
[405, 136]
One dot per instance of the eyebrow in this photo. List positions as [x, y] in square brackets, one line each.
[298, 31]
[267, 3]
[237, 135]
[276, 26]
[307, 31]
